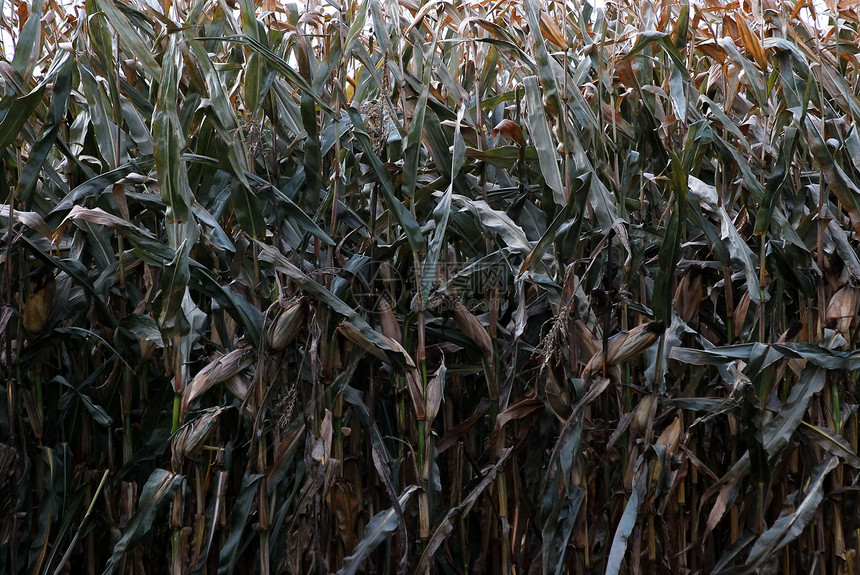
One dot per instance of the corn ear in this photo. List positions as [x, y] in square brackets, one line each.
[38, 307]
[626, 346]
[190, 438]
[220, 369]
[435, 393]
[287, 324]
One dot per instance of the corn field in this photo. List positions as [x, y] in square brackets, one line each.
[393, 286]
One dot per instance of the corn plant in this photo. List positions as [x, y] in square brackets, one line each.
[428, 287]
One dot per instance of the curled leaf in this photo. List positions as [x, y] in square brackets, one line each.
[509, 130]
[380, 346]
[30, 219]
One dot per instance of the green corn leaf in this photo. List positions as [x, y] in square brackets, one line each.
[136, 46]
[29, 43]
[375, 532]
[416, 128]
[158, 489]
[403, 216]
[15, 113]
[789, 526]
[625, 527]
[168, 141]
[542, 139]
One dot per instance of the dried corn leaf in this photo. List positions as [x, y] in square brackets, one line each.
[473, 329]
[842, 310]
[30, 219]
[388, 322]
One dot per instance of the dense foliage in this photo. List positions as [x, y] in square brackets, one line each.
[392, 287]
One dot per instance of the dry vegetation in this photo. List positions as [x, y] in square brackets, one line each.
[462, 287]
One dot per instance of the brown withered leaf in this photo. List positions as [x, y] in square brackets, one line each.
[622, 426]
[118, 192]
[556, 389]
[713, 50]
[688, 294]
[34, 411]
[455, 433]
[30, 219]
[730, 26]
[551, 31]
[388, 322]
[740, 314]
[588, 344]
[671, 436]
[473, 329]
[509, 130]
[521, 409]
[842, 310]
[751, 43]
